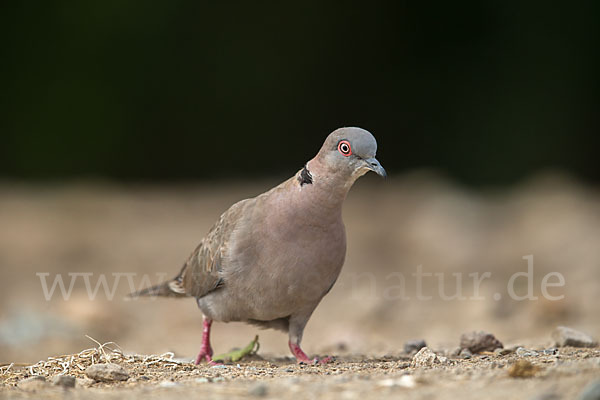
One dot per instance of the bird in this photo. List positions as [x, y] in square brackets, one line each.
[269, 260]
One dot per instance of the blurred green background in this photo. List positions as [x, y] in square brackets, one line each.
[488, 92]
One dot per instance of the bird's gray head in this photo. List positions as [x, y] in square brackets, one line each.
[350, 152]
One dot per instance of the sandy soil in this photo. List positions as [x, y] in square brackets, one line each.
[393, 227]
[563, 375]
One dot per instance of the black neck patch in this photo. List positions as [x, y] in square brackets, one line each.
[305, 177]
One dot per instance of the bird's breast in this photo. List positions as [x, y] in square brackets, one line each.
[289, 265]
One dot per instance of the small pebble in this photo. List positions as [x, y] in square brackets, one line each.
[522, 369]
[107, 372]
[478, 341]
[65, 381]
[84, 382]
[33, 383]
[167, 384]
[465, 354]
[550, 352]
[523, 352]
[427, 358]
[406, 381]
[503, 352]
[565, 336]
[455, 352]
[259, 390]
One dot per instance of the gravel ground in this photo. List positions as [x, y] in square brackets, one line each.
[558, 376]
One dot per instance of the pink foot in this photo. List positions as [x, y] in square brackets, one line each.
[206, 351]
[301, 357]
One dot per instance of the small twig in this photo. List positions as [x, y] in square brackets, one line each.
[7, 368]
[101, 347]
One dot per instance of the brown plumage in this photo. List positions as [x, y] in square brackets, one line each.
[270, 260]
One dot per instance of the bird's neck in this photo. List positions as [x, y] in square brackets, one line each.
[327, 188]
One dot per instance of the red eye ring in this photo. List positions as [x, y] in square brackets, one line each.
[344, 148]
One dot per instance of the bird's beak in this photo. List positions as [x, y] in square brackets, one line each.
[374, 166]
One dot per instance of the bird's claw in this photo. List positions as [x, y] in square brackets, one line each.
[303, 358]
[204, 357]
[325, 360]
[317, 361]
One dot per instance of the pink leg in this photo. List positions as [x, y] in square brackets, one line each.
[205, 349]
[303, 358]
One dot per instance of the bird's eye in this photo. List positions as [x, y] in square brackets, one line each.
[344, 148]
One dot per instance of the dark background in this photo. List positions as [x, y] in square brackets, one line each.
[488, 92]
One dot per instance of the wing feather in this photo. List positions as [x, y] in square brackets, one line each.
[201, 273]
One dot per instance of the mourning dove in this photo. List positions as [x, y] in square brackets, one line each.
[269, 260]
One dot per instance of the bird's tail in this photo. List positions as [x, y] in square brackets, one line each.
[171, 288]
